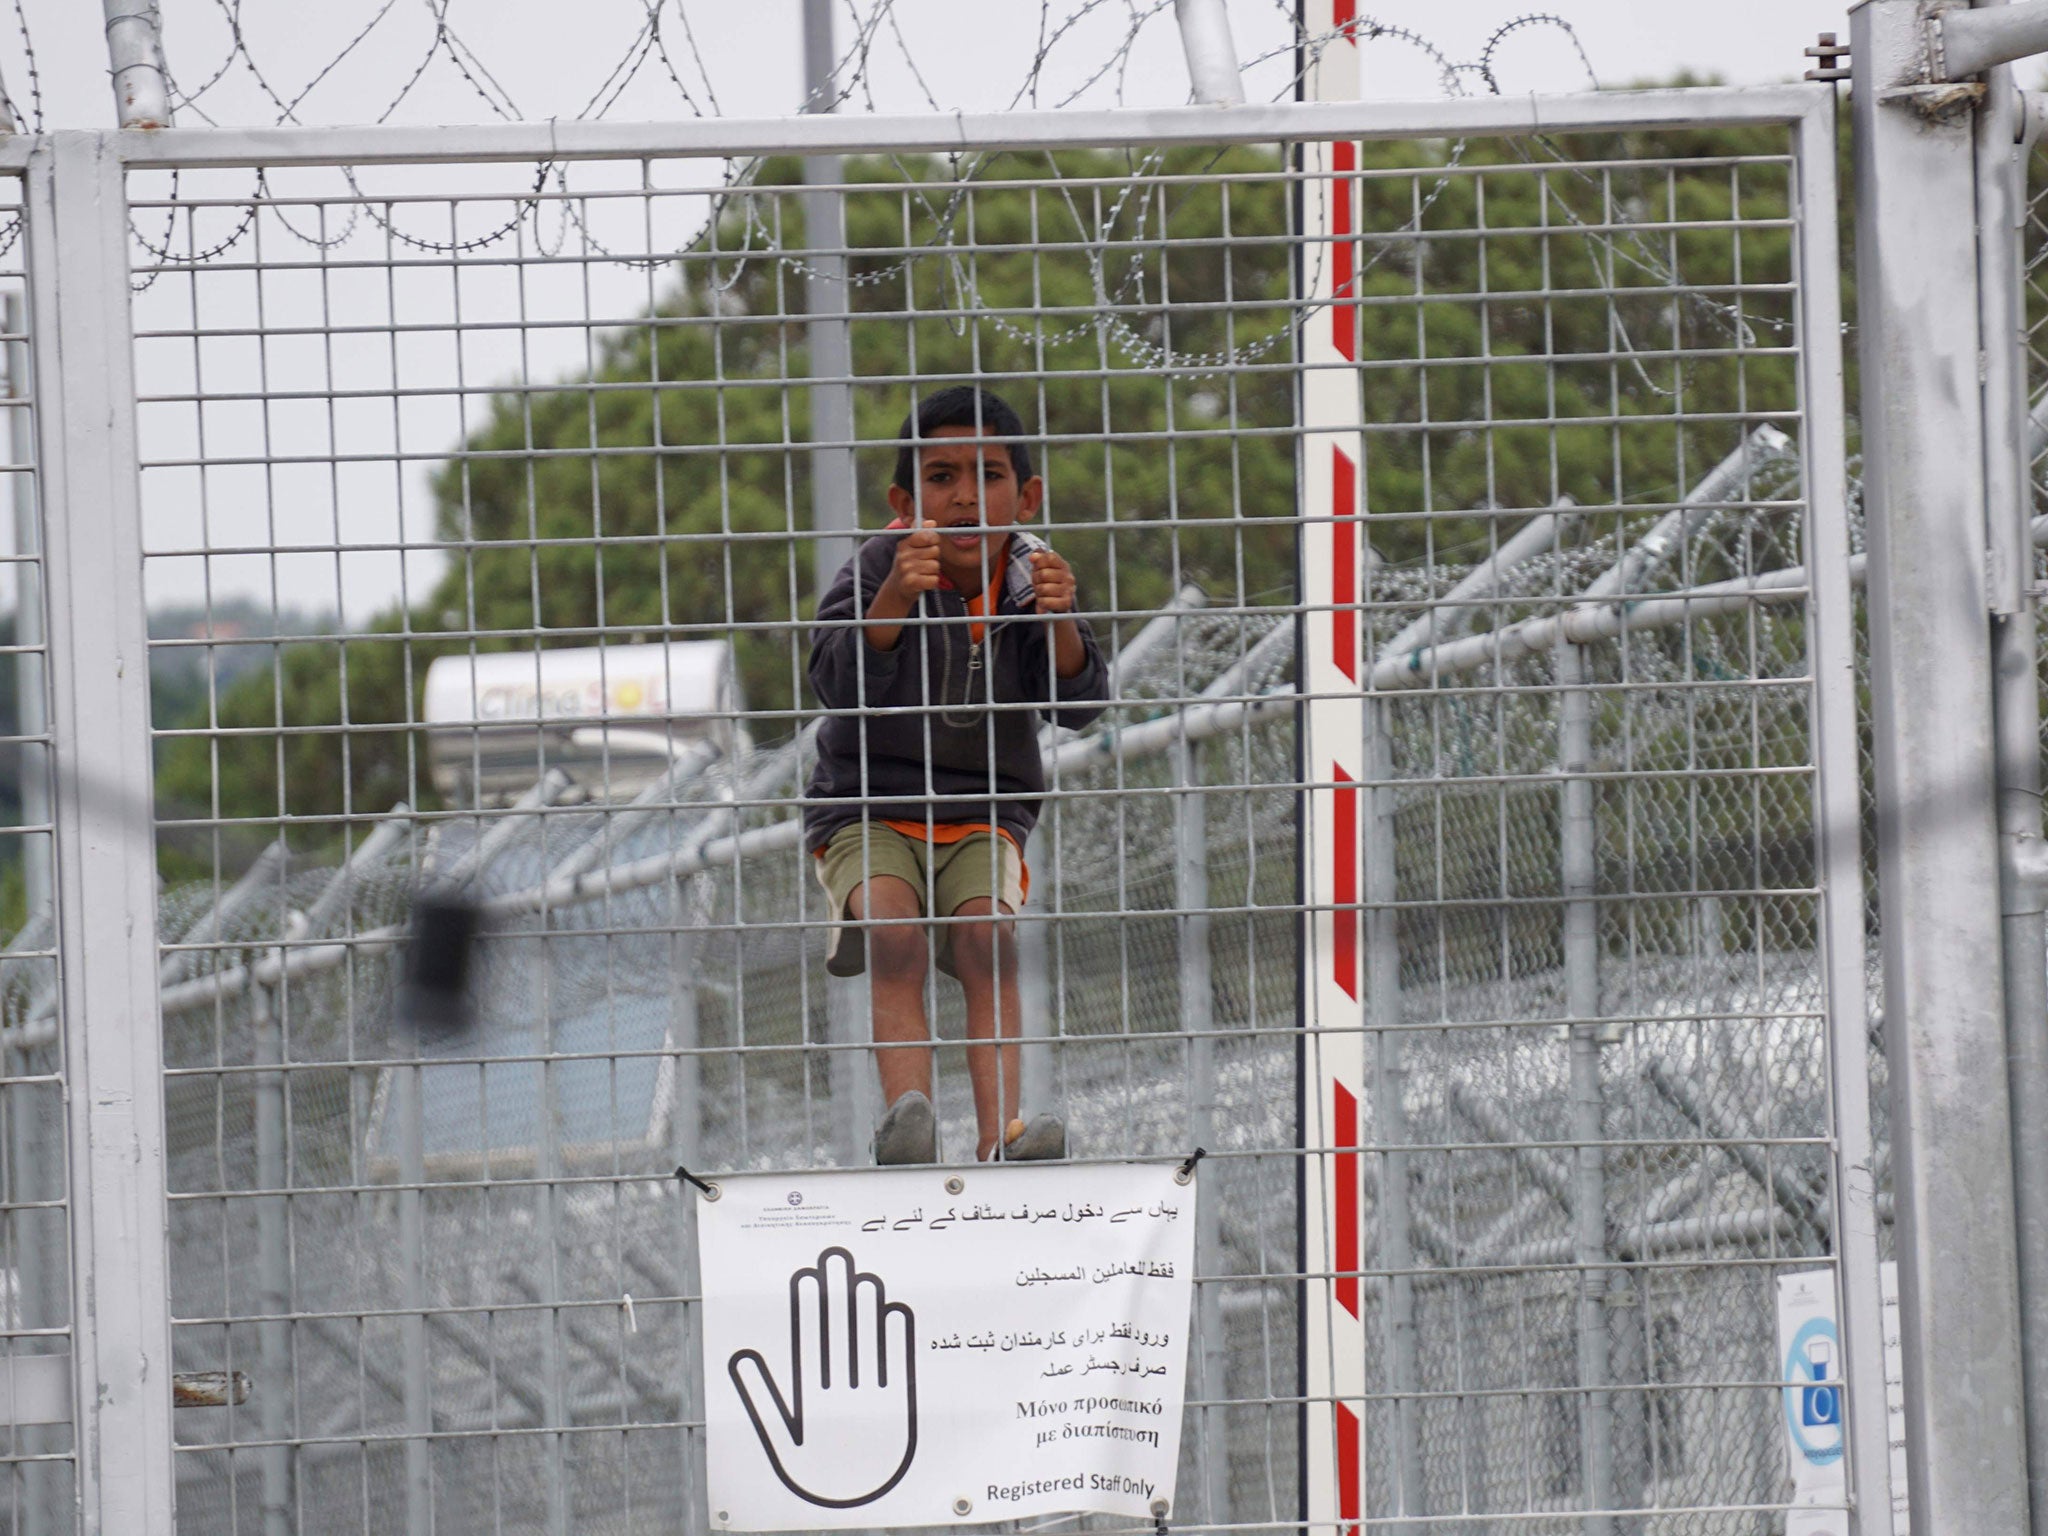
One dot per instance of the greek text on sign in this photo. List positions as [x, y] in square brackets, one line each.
[882, 1350]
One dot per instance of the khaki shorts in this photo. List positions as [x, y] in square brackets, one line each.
[946, 876]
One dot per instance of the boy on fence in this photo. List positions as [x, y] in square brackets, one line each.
[936, 647]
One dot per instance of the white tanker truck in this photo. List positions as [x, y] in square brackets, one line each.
[611, 717]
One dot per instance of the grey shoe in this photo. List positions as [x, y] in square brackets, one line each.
[1042, 1140]
[909, 1132]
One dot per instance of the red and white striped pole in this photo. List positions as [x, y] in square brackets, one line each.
[1333, 559]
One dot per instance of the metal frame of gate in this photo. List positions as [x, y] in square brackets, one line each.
[88, 478]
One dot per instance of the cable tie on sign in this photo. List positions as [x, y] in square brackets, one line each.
[709, 1191]
[1185, 1173]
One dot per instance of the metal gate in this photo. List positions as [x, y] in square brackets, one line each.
[1469, 860]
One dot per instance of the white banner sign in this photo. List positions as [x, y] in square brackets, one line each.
[1810, 1356]
[881, 1350]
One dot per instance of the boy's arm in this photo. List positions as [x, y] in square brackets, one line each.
[851, 664]
[1083, 693]
[1053, 591]
[1080, 678]
[913, 571]
[846, 669]
[1069, 649]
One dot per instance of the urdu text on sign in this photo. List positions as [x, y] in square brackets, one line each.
[880, 1350]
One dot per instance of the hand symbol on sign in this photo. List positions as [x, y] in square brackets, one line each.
[852, 1365]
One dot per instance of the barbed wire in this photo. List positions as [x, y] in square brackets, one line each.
[32, 121]
[17, 121]
[550, 214]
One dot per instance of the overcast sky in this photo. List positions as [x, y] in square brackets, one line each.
[553, 59]
[354, 61]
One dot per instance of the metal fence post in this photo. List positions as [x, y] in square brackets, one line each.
[135, 52]
[1838, 819]
[1198, 1024]
[1041, 1007]
[2015, 647]
[827, 332]
[106, 908]
[686, 1140]
[1390, 1105]
[1938, 852]
[412, 1288]
[273, 1265]
[1579, 870]
[2016, 707]
[1212, 55]
[554, 1365]
[834, 517]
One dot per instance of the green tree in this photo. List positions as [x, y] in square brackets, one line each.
[1523, 337]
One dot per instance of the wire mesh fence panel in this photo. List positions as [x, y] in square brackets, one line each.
[35, 1243]
[488, 516]
[1580, 814]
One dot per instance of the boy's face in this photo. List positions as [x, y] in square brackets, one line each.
[970, 489]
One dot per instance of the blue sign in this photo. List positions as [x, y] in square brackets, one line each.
[1813, 1393]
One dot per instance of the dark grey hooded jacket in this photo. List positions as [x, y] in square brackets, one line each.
[940, 727]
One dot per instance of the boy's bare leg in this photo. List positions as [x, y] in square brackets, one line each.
[896, 965]
[985, 957]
